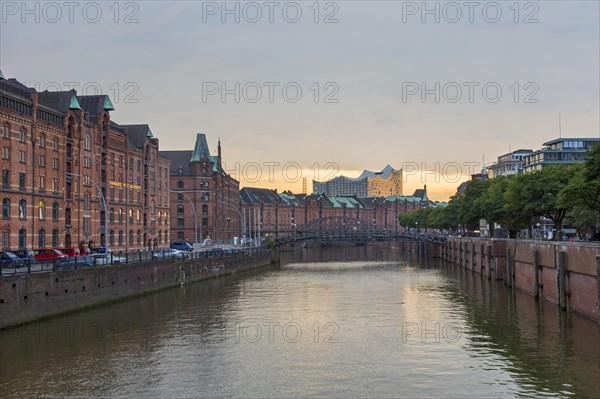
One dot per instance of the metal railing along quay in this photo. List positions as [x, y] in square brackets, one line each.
[123, 257]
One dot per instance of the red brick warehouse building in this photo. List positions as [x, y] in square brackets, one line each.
[57, 149]
[205, 200]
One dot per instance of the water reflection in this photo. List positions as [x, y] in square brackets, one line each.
[354, 321]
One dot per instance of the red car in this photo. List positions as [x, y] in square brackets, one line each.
[48, 254]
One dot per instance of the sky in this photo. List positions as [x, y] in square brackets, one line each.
[315, 90]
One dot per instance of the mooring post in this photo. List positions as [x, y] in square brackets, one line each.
[509, 267]
[489, 261]
[561, 280]
[598, 287]
[460, 254]
[473, 257]
[536, 277]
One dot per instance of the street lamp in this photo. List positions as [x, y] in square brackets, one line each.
[193, 209]
[105, 208]
[242, 218]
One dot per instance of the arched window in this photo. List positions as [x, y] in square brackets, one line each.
[6, 208]
[130, 236]
[160, 236]
[22, 209]
[138, 216]
[159, 217]
[22, 238]
[5, 239]
[55, 238]
[180, 184]
[131, 216]
[120, 237]
[206, 185]
[55, 212]
[111, 238]
[180, 211]
[87, 143]
[6, 131]
[42, 141]
[139, 237]
[42, 210]
[111, 215]
[42, 238]
[120, 215]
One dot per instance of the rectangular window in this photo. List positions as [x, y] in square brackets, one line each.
[55, 163]
[6, 153]
[55, 185]
[22, 156]
[5, 178]
[6, 132]
[22, 181]
[22, 136]
[42, 160]
[55, 145]
[42, 183]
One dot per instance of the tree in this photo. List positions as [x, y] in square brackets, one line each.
[468, 206]
[491, 203]
[537, 194]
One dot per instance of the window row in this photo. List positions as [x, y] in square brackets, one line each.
[6, 210]
[42, 241]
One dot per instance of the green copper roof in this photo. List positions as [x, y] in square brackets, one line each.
[200, 149]
[2, 75]
[407, 198]
[149, 133]
[338, 202]
[215, 161]
[74, 104]
[108, 105]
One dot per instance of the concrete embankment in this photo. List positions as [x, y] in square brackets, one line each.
[28, 297]
[565, 273]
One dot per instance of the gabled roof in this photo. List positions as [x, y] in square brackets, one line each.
[60, 101]
[96, 104]
[179, 160]
[252, 195]
[200, 149]
[421, 193]
[137, 135]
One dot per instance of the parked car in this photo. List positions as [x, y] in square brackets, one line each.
[107, 259]
[69, 251]
[48, 255]
[182, 246]
[170, 253]
[99, 250]
[25, 254]
[8, 259]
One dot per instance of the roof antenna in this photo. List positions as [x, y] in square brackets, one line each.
[559, 128]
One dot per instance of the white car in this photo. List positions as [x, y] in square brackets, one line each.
[170, 253]
[107, 259]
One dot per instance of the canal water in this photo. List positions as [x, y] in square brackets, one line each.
[332, 322]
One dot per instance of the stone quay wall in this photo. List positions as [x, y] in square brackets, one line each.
[32, 296]
[565, 273]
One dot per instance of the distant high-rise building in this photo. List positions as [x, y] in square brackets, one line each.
[511, 163]
[386, 183]
[559, 151]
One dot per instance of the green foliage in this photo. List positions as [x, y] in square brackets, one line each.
[555, 192]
